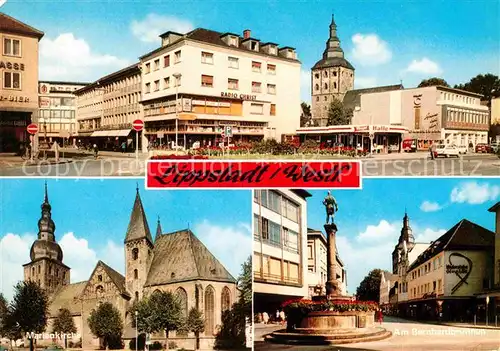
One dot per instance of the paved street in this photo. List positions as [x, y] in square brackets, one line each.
[407, 335]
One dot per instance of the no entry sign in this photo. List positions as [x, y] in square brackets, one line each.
[32, 128]
[138, 125]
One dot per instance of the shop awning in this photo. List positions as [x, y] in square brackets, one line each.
[111, 133]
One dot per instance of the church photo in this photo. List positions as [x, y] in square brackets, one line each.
[113, 250]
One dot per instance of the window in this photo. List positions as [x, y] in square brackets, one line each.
[11, 47]
[291, 239]
[274, 201]
[12, 80]
[148, 68]
[290, 210]
[317, 98]
[316, 75]
[207, 57]
[316, 87]
[326, 85]
[99, 277]
[135, 254]
[157, 64]
[271, 89]
[256, 109]
[272, 111]
[265, 228]
[274, 233]
[225, 299]
[157, 85]
[334, 74]
[326, 74]
[148, 88]
[256, 66]
[177, 56]
[209, 311]
[309, 252]
[136, 274]
[271, 69]
[256, 87]
[256, 226]
[434, 285]
[137, 295]
[232, 84]
[166, 83]
[166, 61]
[207, 81]
[233, 62]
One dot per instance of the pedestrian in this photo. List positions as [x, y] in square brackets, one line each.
[380, 316]
[124, 147]
[265, 317]
[431, 150]
[282, 317]
[277, 316]
[96, 151]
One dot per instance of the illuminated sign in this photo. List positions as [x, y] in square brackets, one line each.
[239, 96]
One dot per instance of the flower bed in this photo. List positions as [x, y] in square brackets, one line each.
[179, 157]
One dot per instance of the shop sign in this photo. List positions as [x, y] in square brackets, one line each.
[462, 271]
[14, 98]
[44, 88]
[380, 128]
[9, 65]
[433, 120]
[7, 123]
[361, 129]
[186, 105]
[44, 102]
[239, 96]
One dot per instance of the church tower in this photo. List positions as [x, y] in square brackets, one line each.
[331, 77]
[406, 242]
[46, 267]
[138, 249]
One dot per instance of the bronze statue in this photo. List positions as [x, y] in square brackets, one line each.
[330, 206]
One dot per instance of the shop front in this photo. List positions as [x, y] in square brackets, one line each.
[13, 134]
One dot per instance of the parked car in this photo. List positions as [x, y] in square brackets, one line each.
[483, 148]
[462, 149]
[494, 147]
[446, 150]
[410, 145]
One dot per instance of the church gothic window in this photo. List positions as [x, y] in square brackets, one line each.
[135, 254]
[182, 298]
[209, 310]
[225, 299]
[136, 274]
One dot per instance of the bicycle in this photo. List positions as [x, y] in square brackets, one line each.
[38, 155]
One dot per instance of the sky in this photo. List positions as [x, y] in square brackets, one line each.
[92, 216]
[387, 41]
[369, 221]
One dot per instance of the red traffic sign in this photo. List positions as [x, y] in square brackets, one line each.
[138, 125]
[32, 128]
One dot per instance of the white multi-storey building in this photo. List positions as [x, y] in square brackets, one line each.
[317, 265]
[219, 79]
[279, 247]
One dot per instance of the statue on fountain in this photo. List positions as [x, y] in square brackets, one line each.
[331, 207]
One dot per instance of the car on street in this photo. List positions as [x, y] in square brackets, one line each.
[410, 145]
[446, 151]
[462, 149]
[483, 148]
[494, 147]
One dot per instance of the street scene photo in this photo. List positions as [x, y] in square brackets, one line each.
[281, 80]
[402, 264]
[117, 267]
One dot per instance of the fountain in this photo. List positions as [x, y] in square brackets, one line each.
[332, 318]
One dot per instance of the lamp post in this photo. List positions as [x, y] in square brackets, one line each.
[136, 327]
[177, 77]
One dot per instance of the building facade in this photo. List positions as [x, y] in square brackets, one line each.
[317, 265]
[57, 112]
[331, 77]
[495, 110]
[431, 114]
[387, 286]
[279, 248]
[19, 82]
[107, 107]
[217, 80]
[177, 262]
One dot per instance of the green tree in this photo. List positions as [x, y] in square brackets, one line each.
[338, 114]
[434, 81]
[369, 288]
[28, 311]
[195, 323]
[159, 312]
[487, 85]
[64, 324]
[105, 323]
[3, 311]
[232, 333]
[305, 116]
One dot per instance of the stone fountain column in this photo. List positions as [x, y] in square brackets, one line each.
[332, 287]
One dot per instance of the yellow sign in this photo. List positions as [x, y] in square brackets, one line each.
[187, 117]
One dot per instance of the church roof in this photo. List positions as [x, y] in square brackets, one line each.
[181, 256]
[353, 97]
[333, 62]
[116, 277]
[138, 227]
[67, 296]
[12, 25]
[464, 235]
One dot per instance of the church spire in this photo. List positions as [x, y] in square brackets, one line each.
[138, 227]
[333, 48]
[159, 231]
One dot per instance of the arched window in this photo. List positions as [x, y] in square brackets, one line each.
[316, 87]
[225, 299]
[334, 85]
[209, 311]
[326, 74]
[32, 270]
[182, 298]
[326, 85]
[135, 253]
[136, 274]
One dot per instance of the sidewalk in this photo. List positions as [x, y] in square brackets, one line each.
[13, 160]
[71, 152]
[478, 325]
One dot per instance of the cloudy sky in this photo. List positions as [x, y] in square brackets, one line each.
[387, 41]
[369, 221]
[92, 216]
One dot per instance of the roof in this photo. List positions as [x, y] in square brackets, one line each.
[302, 193]
[353, 97]
[11, 25]
[464, 235]
[61, 82]
[181, 256]
[116, 277]
[129, 70]
[138, 227]
[332, 62]
[214, 38]
[495, 207]
[67, 296]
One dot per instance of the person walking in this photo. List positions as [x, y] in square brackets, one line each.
[265, 317]
[124, 147]
[380, 316]
[277, 316]
[96, 151]
[431, 150]
[282, 317]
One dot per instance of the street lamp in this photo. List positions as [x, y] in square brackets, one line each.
[177, 77]
[136, 326]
